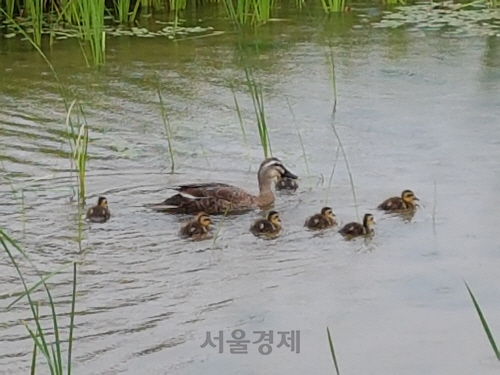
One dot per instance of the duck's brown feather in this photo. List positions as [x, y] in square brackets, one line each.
[353, 230]
[263, 226]
[195, 230]
[212, 198]
[98, 214]
[319, 221]
[393, 204]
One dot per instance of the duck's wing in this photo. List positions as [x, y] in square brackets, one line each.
[391, 204]
[203, 190]
[352, 229]
[187, 204]
[262, 226]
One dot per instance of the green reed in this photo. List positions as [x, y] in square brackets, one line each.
[331, 59]
[248, 12]
[240, 117]
[484, 323]
[332, 351]
[34, 9]
[9, 8]
[78, 142]
[304, 154]
[168, 128]
[51, 351]
[333, 6]
[257, 96]
[91, 26]
[122, 9]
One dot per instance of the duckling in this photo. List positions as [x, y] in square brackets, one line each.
[354, 229]
[198, 228]
[99, 213]
[323, 220]
[269, 226]
[405, 202]
[287, 184]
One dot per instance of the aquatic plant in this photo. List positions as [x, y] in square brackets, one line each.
[122, 9]
[484, 323]
[304, 155]
[472, 18]
[248, 12]
[34, 9]
[255, 90]
[168, 128]
[51, 351]
[333, 6]
[332, 351]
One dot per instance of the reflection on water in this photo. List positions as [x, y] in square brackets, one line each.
[415, 111]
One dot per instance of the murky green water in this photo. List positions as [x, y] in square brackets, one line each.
[416, 110]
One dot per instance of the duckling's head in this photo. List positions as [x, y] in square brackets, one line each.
[272, 169]
[368, 221]
[327, 212]
[409, 197]
[204, 219]
[102, 201]
[274, 218]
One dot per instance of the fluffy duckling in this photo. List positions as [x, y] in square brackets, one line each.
[405, 202]
[198, 228]
[99, 213]
[354, 229]
[287, 184]
[323, 220]
[271, 225]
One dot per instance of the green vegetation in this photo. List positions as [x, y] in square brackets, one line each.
[255, 90]
[51, 351]
[333, 6]
[486, 328]
[168, 128]
[332, 351]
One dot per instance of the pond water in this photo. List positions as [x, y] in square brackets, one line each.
[416, 109]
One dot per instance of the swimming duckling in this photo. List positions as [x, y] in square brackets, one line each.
[287, 184]
[326, 219]
[269, 226]
[198, 228]
[405, 202]
[354, 229]
[99, 213]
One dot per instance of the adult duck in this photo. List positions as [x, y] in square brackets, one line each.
[220, 198]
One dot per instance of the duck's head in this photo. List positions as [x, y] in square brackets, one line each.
[409, 197]
[203, 219]
[274, 218]
[272, 169]
[327, 212]
[368, 221]
[102, 201]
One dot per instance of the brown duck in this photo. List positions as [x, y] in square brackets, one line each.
[323, 220]
[219, 198]
[354, 229]
[271, 225]
[99, 213]
[198, 228]
[405, 202]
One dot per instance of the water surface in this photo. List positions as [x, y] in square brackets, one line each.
[415, 110]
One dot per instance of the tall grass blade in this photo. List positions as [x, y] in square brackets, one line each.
[304, 155]
[258, 104]
[332, 351]
[72, 319]
[168, 129]
[484, 323]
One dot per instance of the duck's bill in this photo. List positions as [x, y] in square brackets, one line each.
[289, 174]
[416, 199]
